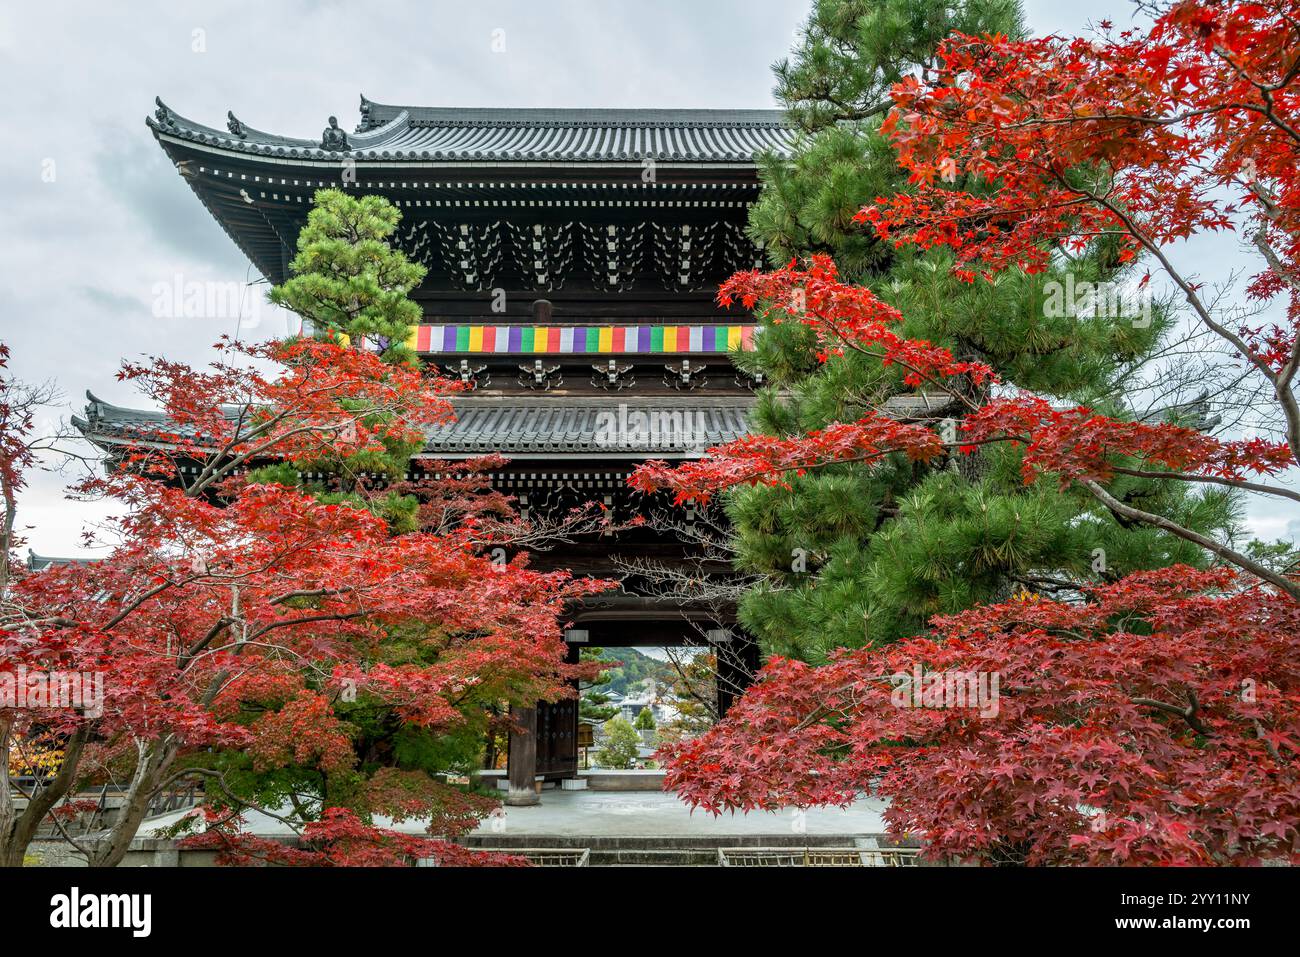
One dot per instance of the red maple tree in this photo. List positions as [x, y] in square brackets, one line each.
[1147, 137]
[1074, 445]
[1124, 732]
[1156, 723]
[240, 615]
[293, 401]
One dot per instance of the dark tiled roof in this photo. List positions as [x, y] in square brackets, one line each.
[449, 134]
[38, 563]
[601, 428]
[519, 427]
[115, 422]
[526, 428]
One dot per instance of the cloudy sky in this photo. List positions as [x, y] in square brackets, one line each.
[96, 217]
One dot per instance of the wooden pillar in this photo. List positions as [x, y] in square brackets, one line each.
[738, 662]
[570, 757]
[521, 761]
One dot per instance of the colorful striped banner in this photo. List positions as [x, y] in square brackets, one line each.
[594, 340]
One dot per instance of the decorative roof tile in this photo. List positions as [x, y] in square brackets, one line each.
[600, 428]
[454, 135]
[517, 427]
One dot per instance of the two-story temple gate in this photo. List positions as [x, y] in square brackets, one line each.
[573, 257]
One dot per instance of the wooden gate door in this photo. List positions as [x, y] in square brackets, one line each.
[557, 739]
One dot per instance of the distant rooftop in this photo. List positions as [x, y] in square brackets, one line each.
[38, 563]
[459, 134]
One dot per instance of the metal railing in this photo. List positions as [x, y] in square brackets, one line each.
[817, 857]
[549, 856]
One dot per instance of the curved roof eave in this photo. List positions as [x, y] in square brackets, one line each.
[435, 136]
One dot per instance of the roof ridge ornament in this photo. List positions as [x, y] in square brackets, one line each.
[367, 121]
[163, 114]
[333, 138]
[235, 127]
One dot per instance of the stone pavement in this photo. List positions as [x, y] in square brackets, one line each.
[625, 814]
[660, 814]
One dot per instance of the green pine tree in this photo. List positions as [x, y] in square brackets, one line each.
[349, 284]
[593, 704]
[835, 88]
[853, 554]
[348, 280]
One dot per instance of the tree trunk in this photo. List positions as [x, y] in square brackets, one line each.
[18, 830]
[8, 814]
[156, 758]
